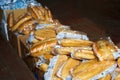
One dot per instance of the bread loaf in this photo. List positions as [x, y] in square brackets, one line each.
[83, 54]
[104, 50]
[25, 25]
[65, 69]
[43, 34]
[10, 20]
[75, 43]
[21, 21]
[43, 46]
[93, 70]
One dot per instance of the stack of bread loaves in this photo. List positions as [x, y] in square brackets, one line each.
[63, 53]
[27, 22]
[66, 54]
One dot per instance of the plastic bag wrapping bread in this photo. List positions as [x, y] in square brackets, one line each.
[106, 50]
[31, 39]
[74, 42]
[53, 67]
[72, 35]
[43, 47]
[64, 71]
[40, 26]
[16, 4]
[62, 28]
[96, 70]
[83, 54]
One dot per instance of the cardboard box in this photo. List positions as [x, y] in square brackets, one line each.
[24, 50]
[15, 41]
[3, 19]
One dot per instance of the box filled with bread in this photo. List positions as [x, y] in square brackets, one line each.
[12, 16]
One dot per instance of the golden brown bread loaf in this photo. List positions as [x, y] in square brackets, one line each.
[83, 66]
[46, 50]
[64, 50]
[43, 46]
[104, 50]
[83, 54]
[43, 34]
[25, 25]
[48, 15]
[40, 11]
[75, 43]
[21, 21]
[10, 19]
[65, 69]
[89, 70]
[68, 50]
[34, 12]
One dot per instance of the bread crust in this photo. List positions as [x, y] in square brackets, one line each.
[21, 21]
[65, 69]
[93, 70]
[25, 25]
[43, 46]
[10, 19]
[75, 42]
[83, 54]
[43, 34]
[104, 50]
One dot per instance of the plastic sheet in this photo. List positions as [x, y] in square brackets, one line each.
[16, 4]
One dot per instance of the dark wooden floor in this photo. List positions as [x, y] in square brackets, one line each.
[98, 18]
[11, 66]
